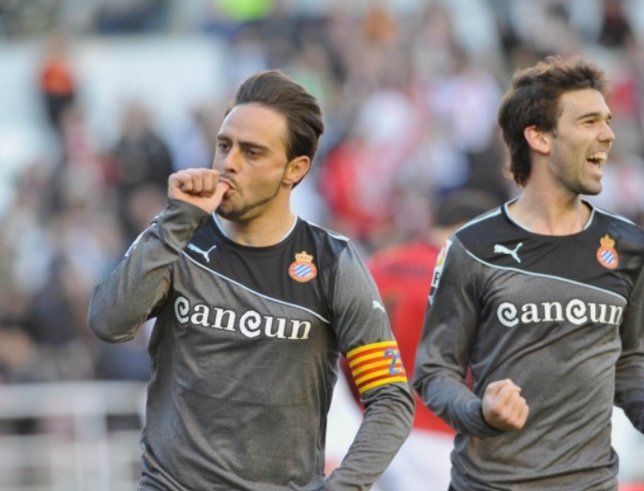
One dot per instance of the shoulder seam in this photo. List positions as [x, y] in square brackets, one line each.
[485, 216]
[331, 233]
[540, 275]
[615, 215]
[250, 290]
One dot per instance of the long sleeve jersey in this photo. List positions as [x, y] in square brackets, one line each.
[244, 356]
[563, 317]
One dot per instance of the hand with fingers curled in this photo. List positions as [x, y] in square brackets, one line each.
[503, 406]
[199, 187]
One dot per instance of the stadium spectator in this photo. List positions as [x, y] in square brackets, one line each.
[140, 162]
[57, 81]
[403, 274]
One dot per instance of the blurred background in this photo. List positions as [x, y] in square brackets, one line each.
[100, 100]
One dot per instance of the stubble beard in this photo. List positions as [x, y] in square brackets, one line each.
[240, 214]
[586, 185]
[578, 187]
[577, 182]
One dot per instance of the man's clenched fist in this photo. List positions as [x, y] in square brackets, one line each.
[503, 406]
[200, 187]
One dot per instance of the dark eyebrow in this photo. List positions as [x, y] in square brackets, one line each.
[246, 145]
[595, 115]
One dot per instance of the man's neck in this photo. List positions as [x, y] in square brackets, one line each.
[258, 232]
[550, 215]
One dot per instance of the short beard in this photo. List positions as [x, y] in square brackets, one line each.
[238, 215]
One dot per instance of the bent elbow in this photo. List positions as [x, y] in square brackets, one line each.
[106, 328]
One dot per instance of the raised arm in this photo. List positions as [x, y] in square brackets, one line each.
[139, 284]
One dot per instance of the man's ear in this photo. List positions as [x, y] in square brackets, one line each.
[538, 140]
[296, 169]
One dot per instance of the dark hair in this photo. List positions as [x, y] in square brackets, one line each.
[273, 89]
[533, 100]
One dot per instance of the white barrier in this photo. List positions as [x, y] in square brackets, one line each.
[70, 436]
[84, 436]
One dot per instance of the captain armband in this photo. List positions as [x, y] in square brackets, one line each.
[376, 364]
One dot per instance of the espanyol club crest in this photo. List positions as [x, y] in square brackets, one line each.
[302, 269]
[606, 254]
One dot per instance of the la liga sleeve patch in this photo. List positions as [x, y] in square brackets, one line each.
[438, 270]
[376, 364]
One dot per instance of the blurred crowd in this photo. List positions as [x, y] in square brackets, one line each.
[409, 89]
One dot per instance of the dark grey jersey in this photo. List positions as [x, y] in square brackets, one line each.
[244, 355]
[560, 316]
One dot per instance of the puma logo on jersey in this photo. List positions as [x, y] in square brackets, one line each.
[500, 249]
[375, 305]
[205, 254]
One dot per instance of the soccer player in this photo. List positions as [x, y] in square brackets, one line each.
[543, 299]
[254, 307]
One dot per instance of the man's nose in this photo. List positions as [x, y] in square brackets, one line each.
[230, 161]
[607, 133]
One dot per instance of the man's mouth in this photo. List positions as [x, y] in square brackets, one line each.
[227, 181]
[597, 158]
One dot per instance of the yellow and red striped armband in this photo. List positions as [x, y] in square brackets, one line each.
[376, 364]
